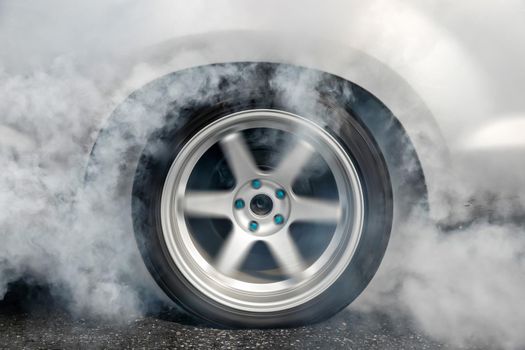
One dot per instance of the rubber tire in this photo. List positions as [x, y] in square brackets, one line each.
[349, 130]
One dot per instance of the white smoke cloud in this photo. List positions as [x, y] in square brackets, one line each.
[46, 229]
[462, 285]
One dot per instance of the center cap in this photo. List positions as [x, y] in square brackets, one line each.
[261, 205]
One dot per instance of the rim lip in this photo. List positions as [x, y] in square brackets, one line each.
[202, 275]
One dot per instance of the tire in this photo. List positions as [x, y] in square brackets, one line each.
[184, 240]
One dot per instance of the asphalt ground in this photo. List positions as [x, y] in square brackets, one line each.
[31, 319]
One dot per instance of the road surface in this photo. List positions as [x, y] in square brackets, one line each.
[30, 320]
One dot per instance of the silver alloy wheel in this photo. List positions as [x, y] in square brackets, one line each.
[221, 278]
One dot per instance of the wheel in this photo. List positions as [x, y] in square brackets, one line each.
[250, 214]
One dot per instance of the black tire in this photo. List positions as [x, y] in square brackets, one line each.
[342, 122]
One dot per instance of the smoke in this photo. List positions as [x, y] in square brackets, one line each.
[48, 231]
[459, 274]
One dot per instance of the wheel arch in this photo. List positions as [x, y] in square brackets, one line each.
[411, 115]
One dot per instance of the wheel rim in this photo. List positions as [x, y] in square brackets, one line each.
[262, 207]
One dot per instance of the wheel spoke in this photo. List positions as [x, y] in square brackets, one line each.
[315, 210]
[212, 204]
[293, 162]
[234, 251]
[239, 157]
[286, 254]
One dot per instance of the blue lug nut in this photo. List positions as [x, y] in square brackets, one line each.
[256, 184]
[239, 204]
[278, 219]
[254, 226]
[280, 194]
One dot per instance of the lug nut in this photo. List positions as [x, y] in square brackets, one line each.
[256, 184]
[280, 194]
[278, 219]
[253, 226]
[239, 204]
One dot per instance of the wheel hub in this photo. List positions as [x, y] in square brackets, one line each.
[267, 210]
